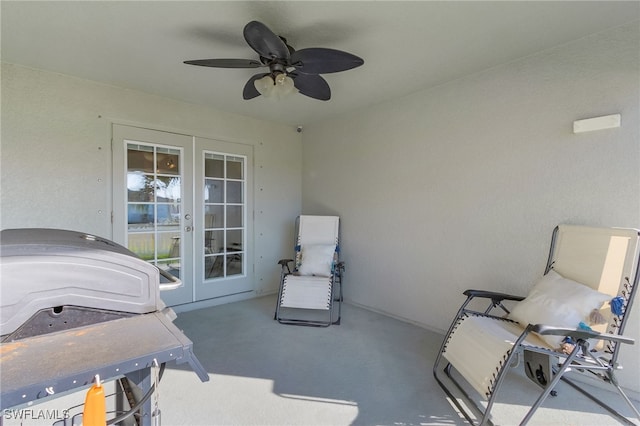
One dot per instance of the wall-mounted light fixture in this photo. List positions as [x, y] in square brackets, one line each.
[596, 123]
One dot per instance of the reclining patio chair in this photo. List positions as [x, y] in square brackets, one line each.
[590, 278]
[309, 289]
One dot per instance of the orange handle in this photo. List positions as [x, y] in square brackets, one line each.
[95, 407]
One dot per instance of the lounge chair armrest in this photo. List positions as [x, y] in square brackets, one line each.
[578, 333]
[494, 296]
[284, 263]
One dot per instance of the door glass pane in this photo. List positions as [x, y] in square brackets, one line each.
[213, 242]
[214, 166]
[139, 186]
[235, 166]
[172, 266]
[224, 215]
[213, 191]
[168, 216]
[234, 240]
[154, 204]
[234, 192]
[140, 158]
[140, 216]
[234, 216]
[234, 264]
[142, 244]
[168, 245]
[168, 161]
[167, 188]
[214, 266]
[214, 216]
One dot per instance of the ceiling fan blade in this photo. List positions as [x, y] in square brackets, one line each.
[226, 63]
[311, 85]
[264, 41]
[250, 90]
[319, 60]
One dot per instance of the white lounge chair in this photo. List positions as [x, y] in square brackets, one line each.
[314, 282]
[590, 278]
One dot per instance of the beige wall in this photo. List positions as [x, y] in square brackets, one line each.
[56, 157]
[460, 186]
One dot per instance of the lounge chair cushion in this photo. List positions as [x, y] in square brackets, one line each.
[558, 302]
[316, 259]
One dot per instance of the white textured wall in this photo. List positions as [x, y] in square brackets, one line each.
[460, 186]
[56, 157]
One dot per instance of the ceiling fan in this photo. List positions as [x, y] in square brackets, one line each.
[288, 69]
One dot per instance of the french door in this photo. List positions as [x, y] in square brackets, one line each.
[183, 203]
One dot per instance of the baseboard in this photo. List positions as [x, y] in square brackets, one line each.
[214, 302]
[397, 317]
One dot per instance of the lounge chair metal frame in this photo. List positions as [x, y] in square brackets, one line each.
[556, 364]
[334, 281]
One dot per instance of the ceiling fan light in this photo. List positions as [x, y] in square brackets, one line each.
[284, 85]
[276, 87]
[265, 86]
[280, 79]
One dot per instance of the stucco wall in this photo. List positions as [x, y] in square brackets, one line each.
[56, 157]
[460, 186]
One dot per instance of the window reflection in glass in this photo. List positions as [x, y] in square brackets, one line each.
[140, 216]
[139, 158]
[168, 245]
[142, 244]
[167, 162]
[154, 188]
[167, 189]
[139, 187]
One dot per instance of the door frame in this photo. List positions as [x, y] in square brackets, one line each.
[188, 296]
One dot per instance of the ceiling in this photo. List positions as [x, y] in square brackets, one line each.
[406, 46]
